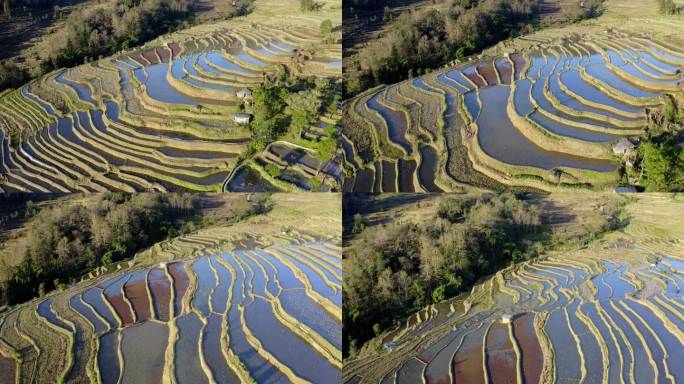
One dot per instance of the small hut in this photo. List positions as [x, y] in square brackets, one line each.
[242, 118]
[623, 146]
[244, 93]
[555, 175]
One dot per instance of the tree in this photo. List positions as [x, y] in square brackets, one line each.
[31, 209]
[268, 101]
[663, 166]
[303, 109]
[66, 241]
[326, 27]
[326, 149]
[452, 209]
[386, 14]
[307, 5]
[359, 224]
[438, 294]
[265, 131]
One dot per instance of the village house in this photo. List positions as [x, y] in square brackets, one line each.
[242, 118]
[623, 146]
[244, 93]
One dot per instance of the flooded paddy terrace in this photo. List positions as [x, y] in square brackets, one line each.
[160, 118]
[544, 118]
[269, 314]
[609, 312]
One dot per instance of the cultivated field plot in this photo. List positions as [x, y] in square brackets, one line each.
[610, 312]
[550, 114]
[166, 116]
[255, 313]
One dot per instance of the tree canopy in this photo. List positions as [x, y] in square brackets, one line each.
[65, 241]
[419, 40]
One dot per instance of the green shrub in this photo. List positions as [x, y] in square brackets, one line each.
[359, 224]
[453, 208]
[326, 27]
[272, 170]
[11, 76]
[314, 183]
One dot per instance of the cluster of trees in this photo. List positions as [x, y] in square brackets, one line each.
[575, 11]
[241, 8]
[663, 165]
[100, 31]
[65, 241]
[396, 268]
[661, 154]
[282, 110]
[668, 7]
[420, 40]
[309, 5]
[32, 5]
[329, 34]
[11, 75]
[400, 268]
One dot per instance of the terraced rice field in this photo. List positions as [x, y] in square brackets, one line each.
[611, 312]
[544, 116]
[162, 117]
[262, 313]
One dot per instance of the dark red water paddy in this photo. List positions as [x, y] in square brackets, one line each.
[139, 58]
[377, 184]
[8, 369]
[532, 359]
[520, 65]
[471, 73]
[505, 70]
[164, 53]
[487, 71]
[175, 49]
[136, 292]
[389, 176]
[501, 358]
[468, 360]
[180, 284]
[406, 169]
[123, 310]
[160, 286]
[151, 56]
[364, 180]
